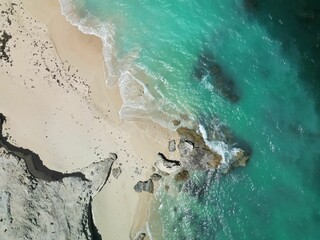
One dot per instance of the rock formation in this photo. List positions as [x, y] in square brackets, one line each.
[53, 206]
[146, 186]
[196, 155]
[141, 236]
[167, 166]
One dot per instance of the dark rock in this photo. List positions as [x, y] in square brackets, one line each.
[155, 177]
[116, 172]
[182, 176]
[140, 236]
[4, 38]
[184, 117]
[204, 63]
[146, 186]
[225, 86]
[176, 122]
[191, 188]
[250, 5]
[308, 16]
[241, 159]
[172, 145]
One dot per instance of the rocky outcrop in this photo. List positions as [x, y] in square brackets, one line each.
[241, 159]
[32, 208]
[144, 186]
[57, 206]
[167, 166]
[196, 155]
[194, 152]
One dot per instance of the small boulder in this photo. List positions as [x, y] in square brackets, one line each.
[155, 177]
[172, 146]
[146, 186]
[176, 122]
[116, 172]
[140, 236]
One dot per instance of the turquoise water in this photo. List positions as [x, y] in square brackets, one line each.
[250, 66]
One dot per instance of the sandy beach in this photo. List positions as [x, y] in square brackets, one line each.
[53, 93]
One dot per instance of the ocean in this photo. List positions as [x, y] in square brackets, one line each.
[245, 72]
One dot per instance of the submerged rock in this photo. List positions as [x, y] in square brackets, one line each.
[182, 176]
[155, 177]
[251, 5]
[207, 66]
[194, 152]
[146, 186]
[225, 86]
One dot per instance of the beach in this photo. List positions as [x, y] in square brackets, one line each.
[92, 88]
[54, 96]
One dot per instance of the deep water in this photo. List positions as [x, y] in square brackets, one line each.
[250, 66]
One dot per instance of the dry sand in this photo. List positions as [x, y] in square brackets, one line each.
[53, 92]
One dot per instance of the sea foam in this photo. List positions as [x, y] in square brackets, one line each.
[138, 101]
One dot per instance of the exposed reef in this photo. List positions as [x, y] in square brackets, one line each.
[39, 203]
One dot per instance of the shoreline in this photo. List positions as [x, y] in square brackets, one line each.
[55, 96]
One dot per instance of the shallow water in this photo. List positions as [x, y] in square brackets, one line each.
[252, 66]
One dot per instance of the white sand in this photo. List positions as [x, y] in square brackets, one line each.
[56, 101]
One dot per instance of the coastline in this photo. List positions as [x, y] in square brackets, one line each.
[78, 111]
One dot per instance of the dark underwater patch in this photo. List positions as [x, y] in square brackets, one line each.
[207, 66]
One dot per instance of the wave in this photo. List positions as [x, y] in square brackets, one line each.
[228, 153]
[138, 102]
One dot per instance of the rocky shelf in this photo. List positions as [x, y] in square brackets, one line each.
[39, 203]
